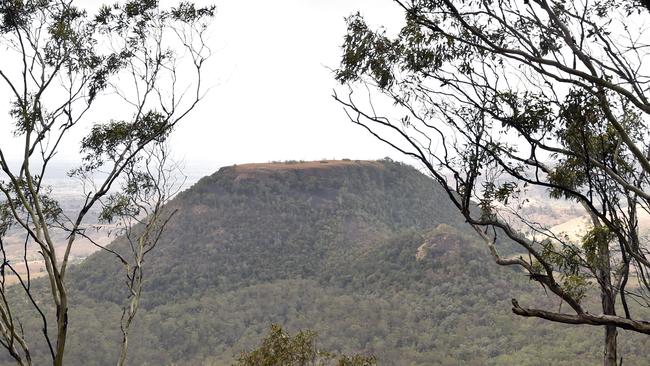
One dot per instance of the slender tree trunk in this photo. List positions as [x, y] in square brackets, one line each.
[610, 346]
[607, 296]
[62, 334]
[611, 332]
[124, 349]
[130, 311]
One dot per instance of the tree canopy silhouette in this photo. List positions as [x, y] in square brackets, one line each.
[59, 63]
[496, 97]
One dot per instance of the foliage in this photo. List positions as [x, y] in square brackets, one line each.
[59, 62]
[280, 348]
[546, 94]
[331, 248]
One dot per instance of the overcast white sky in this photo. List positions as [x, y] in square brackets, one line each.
[271, 87]
[272, 95]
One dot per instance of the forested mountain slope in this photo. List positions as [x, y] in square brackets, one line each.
[369, 254]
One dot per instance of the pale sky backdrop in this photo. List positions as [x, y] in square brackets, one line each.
[272, 95]
[271, 87]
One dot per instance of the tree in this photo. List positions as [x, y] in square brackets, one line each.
[496, 98]
[140, 214]
[280, 348]
[144, 59]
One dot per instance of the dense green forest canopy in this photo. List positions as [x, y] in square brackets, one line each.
[367, 254]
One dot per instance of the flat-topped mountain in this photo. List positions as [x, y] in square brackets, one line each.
[260, 222]
[304, 165]
[370, 254]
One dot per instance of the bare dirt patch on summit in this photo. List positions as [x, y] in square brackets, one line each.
[250, 170]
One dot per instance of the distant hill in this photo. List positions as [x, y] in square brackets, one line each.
[370, 254]
[577, 227]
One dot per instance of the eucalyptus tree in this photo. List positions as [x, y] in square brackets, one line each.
[496, 98]
[280, 348]
[136, 62]
[139, 213]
